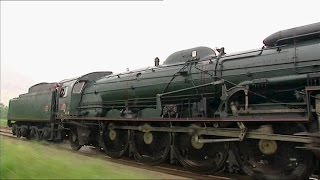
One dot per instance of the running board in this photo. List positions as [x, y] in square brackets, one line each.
[232, 119]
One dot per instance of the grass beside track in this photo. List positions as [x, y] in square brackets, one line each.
[31, 160]
[3, 123]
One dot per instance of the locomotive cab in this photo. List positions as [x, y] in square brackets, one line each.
[71, 92]
[65, 97]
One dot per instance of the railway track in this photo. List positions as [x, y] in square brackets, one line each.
[169, 169]
[164, 168]
[6, 132]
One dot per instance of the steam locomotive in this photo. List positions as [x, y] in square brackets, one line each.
[207, 110]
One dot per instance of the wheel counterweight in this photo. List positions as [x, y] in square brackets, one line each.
[199, 157]
[268, 159]
[115, 141]
[285, 162]
[150, 147]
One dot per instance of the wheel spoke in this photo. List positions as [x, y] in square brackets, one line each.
[151, 147]
[73, 139]
[197, 157]
[267, 159]
[115, 141]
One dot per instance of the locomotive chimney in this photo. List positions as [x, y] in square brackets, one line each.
[156, 61]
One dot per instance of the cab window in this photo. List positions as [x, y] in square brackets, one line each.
[77, 88]
[64, 92]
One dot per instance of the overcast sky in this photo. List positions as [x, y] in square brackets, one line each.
[51, 41]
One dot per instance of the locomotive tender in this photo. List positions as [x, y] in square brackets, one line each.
[198, 107]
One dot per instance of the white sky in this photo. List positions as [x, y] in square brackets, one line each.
[51, 41]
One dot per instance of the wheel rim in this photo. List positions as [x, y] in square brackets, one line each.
[151, 147]
[115, 141]
[286, 162]
[267, 159]
[198, 157]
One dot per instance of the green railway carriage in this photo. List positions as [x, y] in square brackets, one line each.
[199, 107]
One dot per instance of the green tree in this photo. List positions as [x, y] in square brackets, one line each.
[3, 111]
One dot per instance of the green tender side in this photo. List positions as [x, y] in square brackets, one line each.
[32, 106]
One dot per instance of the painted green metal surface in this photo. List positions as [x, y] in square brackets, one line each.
[138, 89]
[65, 99]
[34, 106]
[184, 72]
[73, 90]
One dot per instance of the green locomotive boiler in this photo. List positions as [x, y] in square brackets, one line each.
[200, 107]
